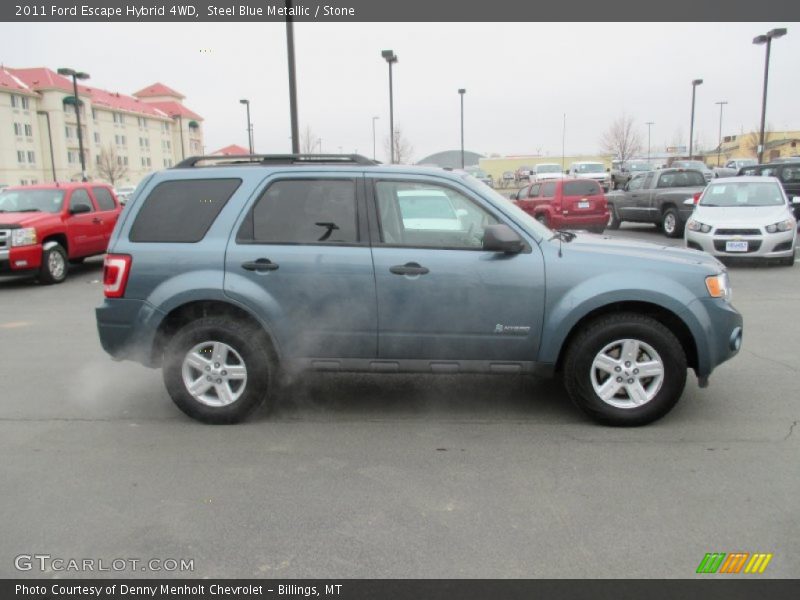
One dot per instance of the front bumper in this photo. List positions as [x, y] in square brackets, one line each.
[21, 261]
[722, 326]
[763, 245]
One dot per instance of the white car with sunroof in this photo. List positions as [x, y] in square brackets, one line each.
[744, 217]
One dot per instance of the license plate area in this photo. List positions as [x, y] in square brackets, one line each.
[584, 204]
[736, 246]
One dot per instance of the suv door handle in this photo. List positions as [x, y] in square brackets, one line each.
[411, 268]
[97, 221]
[260, 265]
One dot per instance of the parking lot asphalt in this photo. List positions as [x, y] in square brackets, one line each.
[393, 476]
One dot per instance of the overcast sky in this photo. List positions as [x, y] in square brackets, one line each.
[520, 78]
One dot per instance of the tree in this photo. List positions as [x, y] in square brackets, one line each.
[622, 139]
[110, 165]
[308, 141]
[402, 148]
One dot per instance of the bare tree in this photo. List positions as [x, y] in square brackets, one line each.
[622, 139]
[402, 147]
[110, 165]
[308, 141]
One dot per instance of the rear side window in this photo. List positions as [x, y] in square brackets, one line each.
[104, 199]
[310, 211]
[534, 191]
[585, 187]
[182, 211]
[549, 190]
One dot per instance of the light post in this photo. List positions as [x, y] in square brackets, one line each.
[292, 78]
[766, 39]
[390, 57]
[649, 124]
[180, 133]
[249, 126]
[50, 139]
[75, 76]
[373, 137]
[461, 93]
[695, 83]
[719, 147]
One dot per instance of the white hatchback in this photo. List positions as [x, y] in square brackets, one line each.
[744, 216]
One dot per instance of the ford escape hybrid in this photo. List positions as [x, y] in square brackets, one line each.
[225, 271]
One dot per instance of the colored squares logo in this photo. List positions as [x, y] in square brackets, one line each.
[734, 563]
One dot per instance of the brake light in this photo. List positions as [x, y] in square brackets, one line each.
[116, 268]
[696, 197]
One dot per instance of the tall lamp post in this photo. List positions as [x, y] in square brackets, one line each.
[390, 57]
[292, 79]
[75, 76]
[180, 133]
[46, 115]
[695, 83]
[373, 137]
[719, 147]
[649, 125]
[246, 102]
[766, 39]
[461, 93]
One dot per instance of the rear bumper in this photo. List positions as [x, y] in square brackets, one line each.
[580, 221]
[127, 329]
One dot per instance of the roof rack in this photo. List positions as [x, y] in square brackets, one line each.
[275, 159]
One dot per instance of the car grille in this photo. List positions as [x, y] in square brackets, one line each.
[752, 246]
[737, 232]
[5, 234]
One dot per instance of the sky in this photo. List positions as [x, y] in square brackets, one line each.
[521, 79]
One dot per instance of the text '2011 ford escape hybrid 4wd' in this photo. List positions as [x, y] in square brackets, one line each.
[225, 271]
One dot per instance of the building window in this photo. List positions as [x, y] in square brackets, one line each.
[165, 127]
[166, 144]
[119, 119]
[31, 157]
[73, 157]
[14, 101]
[144, 142]
[142, 122]
[167, 162]
[125, 160]
[23, 182]
[17, 127]
[34, 181]
[28, 130]
[69, 132]
[21, 156]
[97, 159]
[94, 114]
[96, 137]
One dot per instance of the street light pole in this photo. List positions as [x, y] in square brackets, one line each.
[719, 147]
[292, 79]
[649, 124]
[390, 57]
[75, 76]
[695, 83]
[246, 102]
[461, 93]
[373, 137]
[180, 133]
[50, 139]
[766, 39]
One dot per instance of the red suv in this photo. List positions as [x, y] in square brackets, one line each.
[565, 204]
[45, 227]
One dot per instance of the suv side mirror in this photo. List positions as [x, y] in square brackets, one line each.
[501, 238]
[80, 209]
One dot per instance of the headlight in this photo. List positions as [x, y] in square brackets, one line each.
[23, 237]
[786, 225]
[693, 225]
[718, 286]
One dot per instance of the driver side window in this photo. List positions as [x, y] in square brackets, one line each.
[80, 198]
[427, 215]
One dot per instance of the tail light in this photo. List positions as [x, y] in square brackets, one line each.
[116, 268]
[696, 197]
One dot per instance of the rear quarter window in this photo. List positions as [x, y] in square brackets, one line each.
[581, 188]
[105, 201]
[182, 211]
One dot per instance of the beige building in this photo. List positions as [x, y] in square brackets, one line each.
[777, 144]
[142, 133]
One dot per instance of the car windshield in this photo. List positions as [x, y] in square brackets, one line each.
[642, 166]
[690, 164]
[747, 162]
[743, 194]
[31, 200]
[589, 168]
[548, 168]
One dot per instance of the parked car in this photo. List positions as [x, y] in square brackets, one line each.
[695, 165]
[124, 192]
[545, 171]
[591, 170]
[566, 204]
[45, 227]
[508, 178]
[657, 197]
[523, 174]
[788, 173]
[621, 172]
[785, 159]
[481, 175]
[744, 217]
[226, 274]
[732, 167]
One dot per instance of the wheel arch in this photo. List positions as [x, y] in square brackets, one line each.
[60, 238]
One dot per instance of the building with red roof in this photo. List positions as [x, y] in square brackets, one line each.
[232, 150]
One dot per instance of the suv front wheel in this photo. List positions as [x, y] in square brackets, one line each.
[625, 369]
[217, 370]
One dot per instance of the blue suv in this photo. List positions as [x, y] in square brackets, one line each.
[226, 271]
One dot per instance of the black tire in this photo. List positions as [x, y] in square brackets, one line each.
[55, 266]
[613, 219]
[671, 223]
[606, 330]
[542, 218]
[77, 261]
[254, 352]
[597, 229]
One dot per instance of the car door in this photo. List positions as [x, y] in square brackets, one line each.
[300, 259]
[531, 199]
[82, 227]
[107, 213]
[441, 297]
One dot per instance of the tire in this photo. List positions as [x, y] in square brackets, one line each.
[604, 340]
[671, 223]
[77, 261]
[55, 266]
[597, 229]
[613, 219]
[542, 218]
[231, 394]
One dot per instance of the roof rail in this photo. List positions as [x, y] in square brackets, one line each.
[274, 159]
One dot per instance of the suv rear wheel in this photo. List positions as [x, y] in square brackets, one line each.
[217, 370]
[625, 369]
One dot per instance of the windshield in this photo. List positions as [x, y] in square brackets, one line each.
[31, 200]
[690, 164]
[548, 168]
[747, 162]
[743, 194]
[642, 166]
[588, 168]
